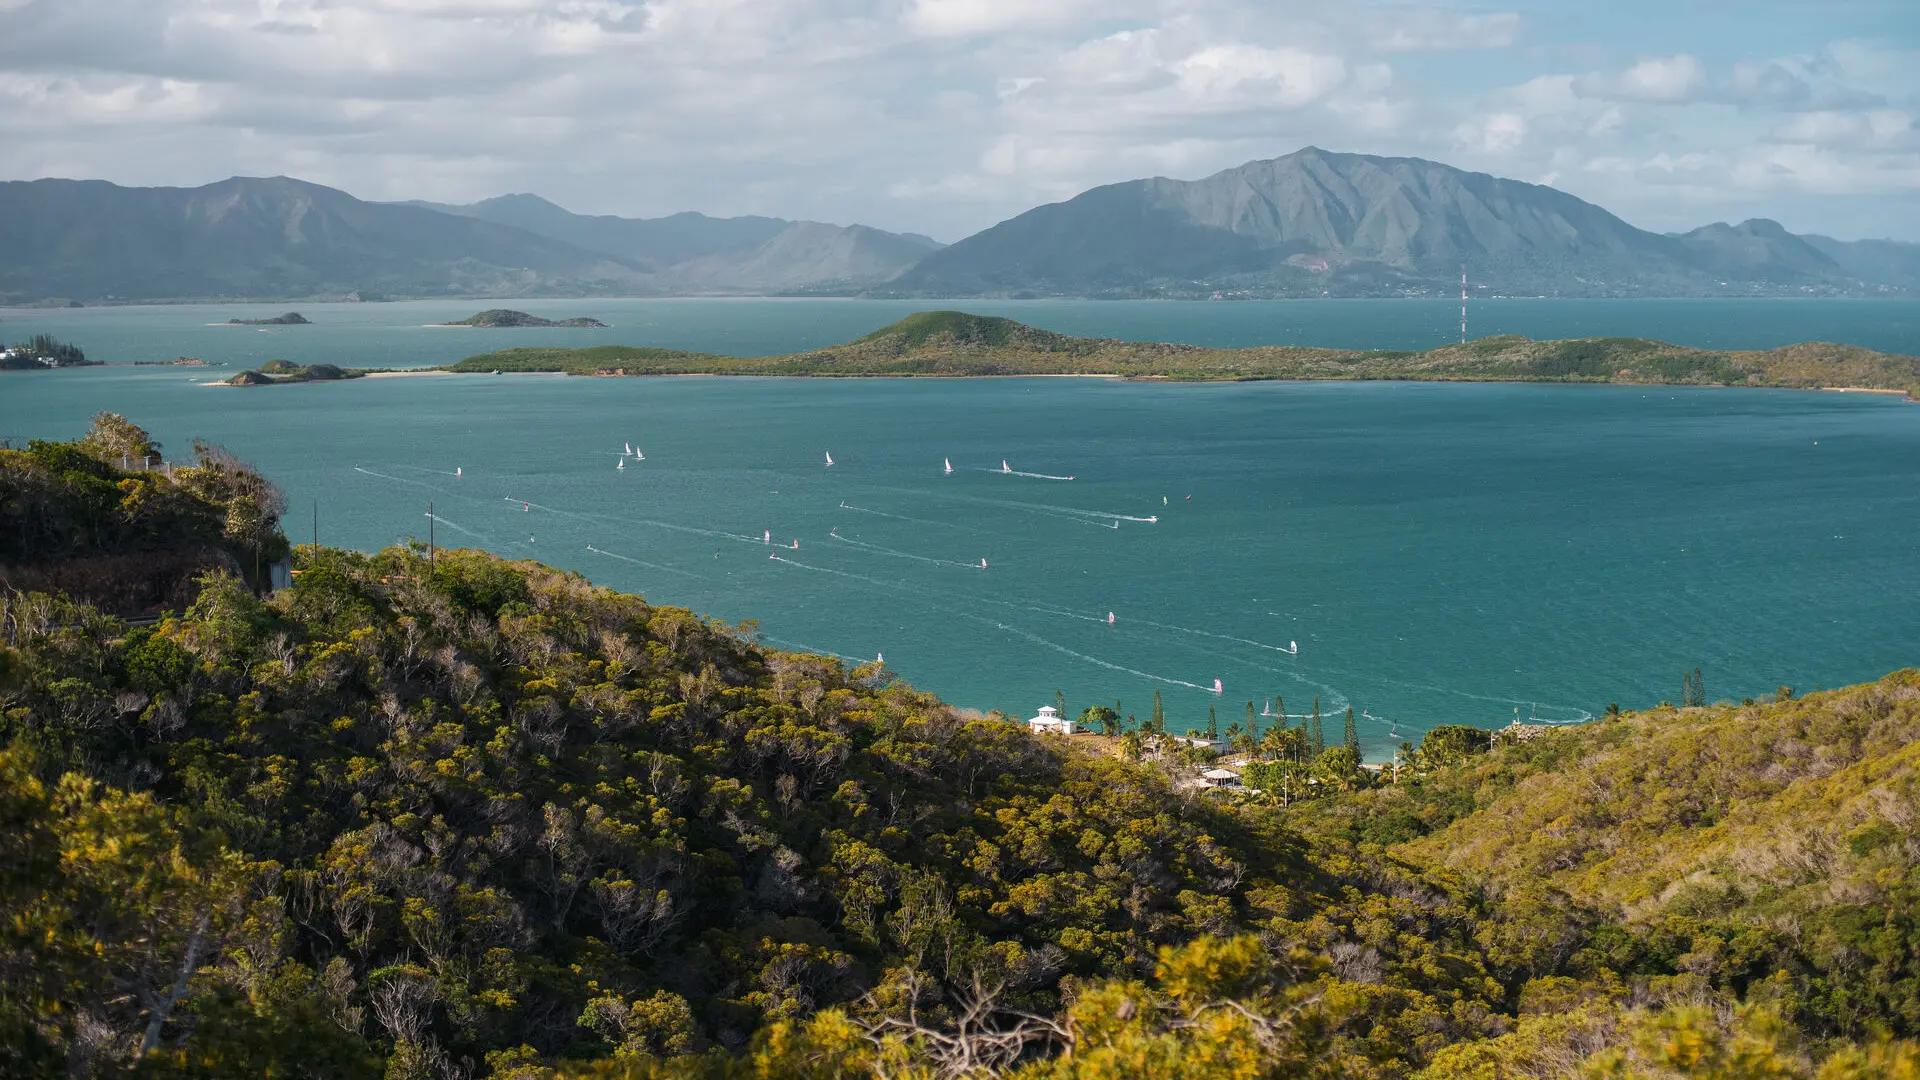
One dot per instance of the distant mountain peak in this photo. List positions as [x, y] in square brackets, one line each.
[1317, 222]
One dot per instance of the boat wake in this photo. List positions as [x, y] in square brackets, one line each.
[1028, 475]
[939, 603]
[903, 517]
[396, 479]
[1059, 648]
[877, 549]
[1047, 508]
[457, 527]
[642, 562]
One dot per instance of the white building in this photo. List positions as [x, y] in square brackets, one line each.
[1050, 722]
[1221, 778]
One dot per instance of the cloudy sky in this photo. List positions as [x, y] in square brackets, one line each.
[944, 116]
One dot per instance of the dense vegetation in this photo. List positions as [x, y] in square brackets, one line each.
[274, 372]
[953, 343]
[456, 816]
[42, 351]
[506, 317]
[290, 318]
[99, 520]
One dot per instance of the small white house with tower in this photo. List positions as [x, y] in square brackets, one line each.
[1050, 722]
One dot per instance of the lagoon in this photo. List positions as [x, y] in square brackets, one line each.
[1442, 553]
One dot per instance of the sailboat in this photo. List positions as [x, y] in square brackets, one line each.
[1293, 647]
[829, 457]
[638, 456]
[948, 462]
[1153, 519]
[526, 507]
[1004, 467]
[879, 658]
[983, 564]
[1109, 618]
[1163, 500]
[629, 449]
[1217, 688]
[767, 537]
[456, 470]
[1268, 711]
[796, 545]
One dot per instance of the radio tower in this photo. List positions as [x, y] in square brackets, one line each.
[1463, 303]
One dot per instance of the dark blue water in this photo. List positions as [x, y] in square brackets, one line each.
[1441, 553]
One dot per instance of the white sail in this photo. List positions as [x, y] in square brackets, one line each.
[948, 462]
[622, 465]
[629, 448]
[1004, 467]
[456, 470]
[1293, 647]
[829, 457]
[1217, 688]
[767, 537]
[983, 564]
[1109, 618]
[638, 456]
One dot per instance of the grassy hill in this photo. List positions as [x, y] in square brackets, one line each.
[953, 343]
[419, 816]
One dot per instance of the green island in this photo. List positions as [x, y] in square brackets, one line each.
[957, 344]
[275, 372]
[291, 318]
[495, 318]
[43, 353]
[436, 813]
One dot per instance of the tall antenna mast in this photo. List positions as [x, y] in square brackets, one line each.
[1463, 303]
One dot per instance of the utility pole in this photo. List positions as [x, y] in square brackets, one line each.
[1463, 303]
[316, 526]
[429, 537]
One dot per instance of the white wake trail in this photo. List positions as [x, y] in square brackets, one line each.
[877, 549]
[903, 517]
[643, 562]
[1030, 636]
[456, 527]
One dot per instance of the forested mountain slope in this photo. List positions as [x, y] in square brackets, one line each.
[449, 816]
[1314, 223]
[694, 252]
[270, 237]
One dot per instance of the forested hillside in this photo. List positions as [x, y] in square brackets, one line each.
[102, 519]
[956, 343]
[448, 816]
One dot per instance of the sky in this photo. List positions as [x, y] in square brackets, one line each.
[945, 116]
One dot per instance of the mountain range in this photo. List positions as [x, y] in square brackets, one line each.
[699, 253]
[1315, 222]
[1311, 223]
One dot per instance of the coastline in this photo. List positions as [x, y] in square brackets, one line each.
[1124, 378]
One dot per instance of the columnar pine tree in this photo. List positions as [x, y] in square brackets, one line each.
[1693, 690]
[1060, 702]
[1316, 739]
[1213, 724]
[1352, 733]
[1159, 717]
[1253, 721]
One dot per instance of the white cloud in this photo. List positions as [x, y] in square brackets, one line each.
[1670, 78]
[934, 115]
[1409, 29]
[1499, 133]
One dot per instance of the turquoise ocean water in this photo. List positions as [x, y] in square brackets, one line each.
[1441, 553]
